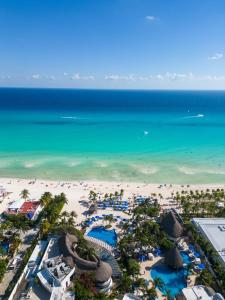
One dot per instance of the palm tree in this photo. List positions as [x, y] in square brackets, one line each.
[73, 214]
[168, 295]
[45, 226]
[46, 198]
[25, 194]
[121, 193]
[109, 218]
[158, 283]
[151, 294]
[125, 284]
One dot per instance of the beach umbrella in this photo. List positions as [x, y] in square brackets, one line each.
[201, 266]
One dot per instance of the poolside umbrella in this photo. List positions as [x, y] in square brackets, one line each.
[191, 247]
[201, 266]
[171, 225]
[173, 258]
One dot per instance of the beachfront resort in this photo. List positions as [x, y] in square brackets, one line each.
[110, 243]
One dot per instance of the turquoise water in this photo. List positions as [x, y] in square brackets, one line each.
[173, 280]
[185, 257]
[174, 137]
[105, 235]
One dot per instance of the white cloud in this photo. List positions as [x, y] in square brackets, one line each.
[151, 18]
[77, 76]
[120, 77]
[159, 76]
[52, 77]
[168, 76]
[216, 56]
[36, 76]
[65, 74]
[176, 76]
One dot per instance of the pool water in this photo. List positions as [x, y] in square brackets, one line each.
[106, 235]
[174, 281]
[185, 257]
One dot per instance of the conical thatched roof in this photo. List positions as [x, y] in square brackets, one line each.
[180, 297]
[103, 272]
[171, 225]
[173, 258]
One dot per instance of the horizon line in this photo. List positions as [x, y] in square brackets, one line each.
[112, 89]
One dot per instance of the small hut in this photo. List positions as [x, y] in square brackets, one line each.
[171, 225]
[173, 258]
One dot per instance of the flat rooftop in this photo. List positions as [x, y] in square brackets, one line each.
[214, 230]
[195, 293]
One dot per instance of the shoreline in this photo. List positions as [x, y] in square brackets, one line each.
[79, 190]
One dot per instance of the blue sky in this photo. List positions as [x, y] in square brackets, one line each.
[147, 44]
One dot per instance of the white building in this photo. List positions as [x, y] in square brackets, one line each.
[199, 292]
[55, 275]
[213, 229]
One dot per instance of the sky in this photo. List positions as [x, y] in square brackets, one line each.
[115, 44]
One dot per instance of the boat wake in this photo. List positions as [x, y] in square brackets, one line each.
[192, 117]
[73, 118]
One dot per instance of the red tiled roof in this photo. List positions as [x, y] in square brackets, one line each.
[29, 206]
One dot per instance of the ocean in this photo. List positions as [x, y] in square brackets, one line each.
[141, 136]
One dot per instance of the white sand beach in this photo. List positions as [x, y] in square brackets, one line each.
[79, 190]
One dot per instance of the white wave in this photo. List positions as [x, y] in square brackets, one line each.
[115, 175]
[102, 164]
[33, 163]
[148, 170]
[72, 164]
[187, 171]
[216, 172]
[144, 169]
[29, 165]
[191, 171]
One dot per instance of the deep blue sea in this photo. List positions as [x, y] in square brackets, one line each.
[146, 136]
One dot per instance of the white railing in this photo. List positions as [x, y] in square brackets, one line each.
[99, 242]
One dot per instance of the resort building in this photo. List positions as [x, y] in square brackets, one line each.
[56, 275]
[213, 229]
[102, 271]
[199, 292]
[171, 225]
[29, 208]
[61, 263]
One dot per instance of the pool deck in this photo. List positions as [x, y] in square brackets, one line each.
[145, 273]
[145, 268]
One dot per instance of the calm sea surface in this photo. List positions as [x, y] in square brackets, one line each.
[151, 136]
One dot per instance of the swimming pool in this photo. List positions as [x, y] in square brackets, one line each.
[174, 281]
[106, 235]
[185, 257]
